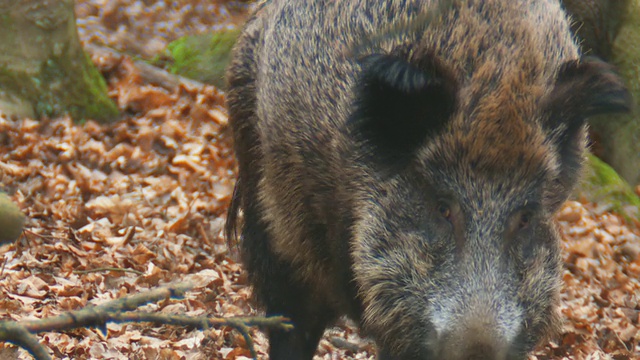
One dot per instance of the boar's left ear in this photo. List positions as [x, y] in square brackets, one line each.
[583, 88]
[399, 105]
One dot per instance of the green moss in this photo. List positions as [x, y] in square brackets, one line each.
[63, 85]
[203, 57]
[602, 185]
[16, 82]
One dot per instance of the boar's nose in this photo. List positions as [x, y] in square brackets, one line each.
[480, 351]
[474, 343]
[463, 350]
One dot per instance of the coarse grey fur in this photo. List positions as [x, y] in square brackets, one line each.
[400, 162]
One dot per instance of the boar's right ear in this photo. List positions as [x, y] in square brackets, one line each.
[399, 105]
[583, 88]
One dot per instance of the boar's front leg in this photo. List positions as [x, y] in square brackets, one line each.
[282, 294]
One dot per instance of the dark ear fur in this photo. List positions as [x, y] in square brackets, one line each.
[398, 105]
[583, 88]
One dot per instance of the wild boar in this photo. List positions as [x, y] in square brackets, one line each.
[400, 162]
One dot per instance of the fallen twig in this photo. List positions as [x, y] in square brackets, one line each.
[121, 310]
[149, 73]
[17, 334]
[240, 324]
[109, 269]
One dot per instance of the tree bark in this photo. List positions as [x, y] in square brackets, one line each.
[610, 29]
[622, 133]
[597, 22]
[43, 70]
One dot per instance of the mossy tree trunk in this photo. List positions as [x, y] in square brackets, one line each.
[622, 133]
[597, 22]
[610, 29]
[43, 69]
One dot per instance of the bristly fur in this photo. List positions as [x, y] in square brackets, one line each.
[408, 179]
[419, 98]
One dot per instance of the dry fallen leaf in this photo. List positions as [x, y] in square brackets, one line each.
[116, 209]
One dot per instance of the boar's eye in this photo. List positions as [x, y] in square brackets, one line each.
[521, 220]
[444, 210]
[525, 220]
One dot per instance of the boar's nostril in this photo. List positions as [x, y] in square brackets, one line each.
[480, 352]
[475, 343]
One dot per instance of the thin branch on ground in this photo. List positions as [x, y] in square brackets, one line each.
[109, 269]
[240, 324]
[149, 73]
[18, 334]
[122, 310]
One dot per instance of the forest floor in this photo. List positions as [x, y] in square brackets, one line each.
[117, 209]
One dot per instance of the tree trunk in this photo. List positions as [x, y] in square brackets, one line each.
[43, 70]
[622, 133]
[610, 29]
[597, 22]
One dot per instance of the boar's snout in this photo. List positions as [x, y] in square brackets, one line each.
[482, 320]
[480, 351]
[477, 344]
